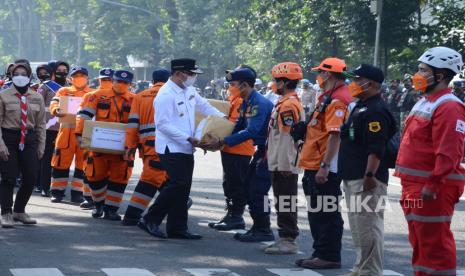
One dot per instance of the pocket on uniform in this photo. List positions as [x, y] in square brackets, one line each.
[89, 169]
[103, 110]
[62, 140]
[156, 164]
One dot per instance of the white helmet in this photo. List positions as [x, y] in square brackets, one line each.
[444, 58]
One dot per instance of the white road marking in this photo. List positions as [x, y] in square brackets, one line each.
[391, 273]
[36, 272]
[293, 272]
[127, 271]
[210, 272]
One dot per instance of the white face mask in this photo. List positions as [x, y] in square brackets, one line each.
[190, 81]
[21, 81]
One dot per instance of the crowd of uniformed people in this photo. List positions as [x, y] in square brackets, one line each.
[346, 135]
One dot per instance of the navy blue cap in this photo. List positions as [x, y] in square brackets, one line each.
[185, 64]
[367, 71]
[78, 69]
[242, 74]
[160, 75]
[123, 75]
[105, 73]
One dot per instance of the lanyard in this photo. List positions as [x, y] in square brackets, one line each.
[118, 110]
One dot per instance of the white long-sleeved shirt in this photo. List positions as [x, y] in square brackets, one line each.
[175, 109]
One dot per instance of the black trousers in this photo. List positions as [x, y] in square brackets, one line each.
[173, 197]
[285, 193]
[326, 225]
[26, 162]
[234, 175]
[45, 171]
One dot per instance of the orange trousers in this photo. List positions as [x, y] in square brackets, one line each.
[67, 150]
[433, 243]
[152, 178]
[108, 176]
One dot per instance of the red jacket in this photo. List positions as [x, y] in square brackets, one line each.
[432, 144]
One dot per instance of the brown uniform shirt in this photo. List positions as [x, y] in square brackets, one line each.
[10, 113]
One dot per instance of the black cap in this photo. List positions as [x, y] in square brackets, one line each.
[160, 75]
[243, 74]
[105, 73]
[45, 67]
[367, 71]
[185, 64]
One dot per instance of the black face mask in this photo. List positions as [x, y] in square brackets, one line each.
[43, 77]
[60, 78]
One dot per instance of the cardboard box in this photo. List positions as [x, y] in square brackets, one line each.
[68, 119]
[215, 126]
[104, 137]
[222, 106]
[70, 105]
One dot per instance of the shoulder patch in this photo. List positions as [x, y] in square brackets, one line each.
[374, 127]
[339, 113]
[460, 127]
[287, 117]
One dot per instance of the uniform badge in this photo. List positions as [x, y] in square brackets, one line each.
[374, 127]
[460, 127]
[124, 74]
[254, 111]
[92, 99]
[287, 118]
[314, 122]
[339, 113]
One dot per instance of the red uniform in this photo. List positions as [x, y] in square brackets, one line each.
[429, 156]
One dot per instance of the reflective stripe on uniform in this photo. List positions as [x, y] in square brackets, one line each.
[133, 125]
[142, 196]
[420, 268]
[137, 205]
[67, 125]
[146, 128]
[145, 135]
[420, 218]
[423, 173]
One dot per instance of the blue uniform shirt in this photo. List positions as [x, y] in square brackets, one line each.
[253, 121]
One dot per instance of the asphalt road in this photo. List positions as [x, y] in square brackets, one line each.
[67, 241]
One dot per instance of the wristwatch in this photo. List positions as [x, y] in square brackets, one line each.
[369, 174]
[323, 165]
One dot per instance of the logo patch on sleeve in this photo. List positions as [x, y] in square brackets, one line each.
[287, 118]
[339, 113]
[374, 127]
[460, 127]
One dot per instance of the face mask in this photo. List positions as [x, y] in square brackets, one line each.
[21, 81]
[106, 84]
[321, 81]
[190, 81]
[44, 77]
[356, 89]
[60, 78]
[235, 91]
[79, 82]
[420, 82]
[121, 88]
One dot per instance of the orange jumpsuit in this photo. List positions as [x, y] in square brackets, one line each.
[141, 133]
[107, 174]
[66, 149]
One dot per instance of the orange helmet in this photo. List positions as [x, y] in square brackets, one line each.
[288, 70]
[331, 64]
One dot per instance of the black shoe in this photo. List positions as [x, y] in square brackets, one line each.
[98, 211]
[255, 235]
[56, 199]
[212, 224]
[127, 221]
[230, 223]
[77, 198]
[151, 228]
[111, 215]
[86, 205]
[184, 235]
[45, 193]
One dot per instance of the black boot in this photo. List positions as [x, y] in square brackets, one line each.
[76, 197]
[260, 231]
[56, 196]
[111, 214]
[228, 213]
[98, 211]
[87, 204]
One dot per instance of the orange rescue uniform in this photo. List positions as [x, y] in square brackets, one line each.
[107, 174]
[66, 148]
[140, 133]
